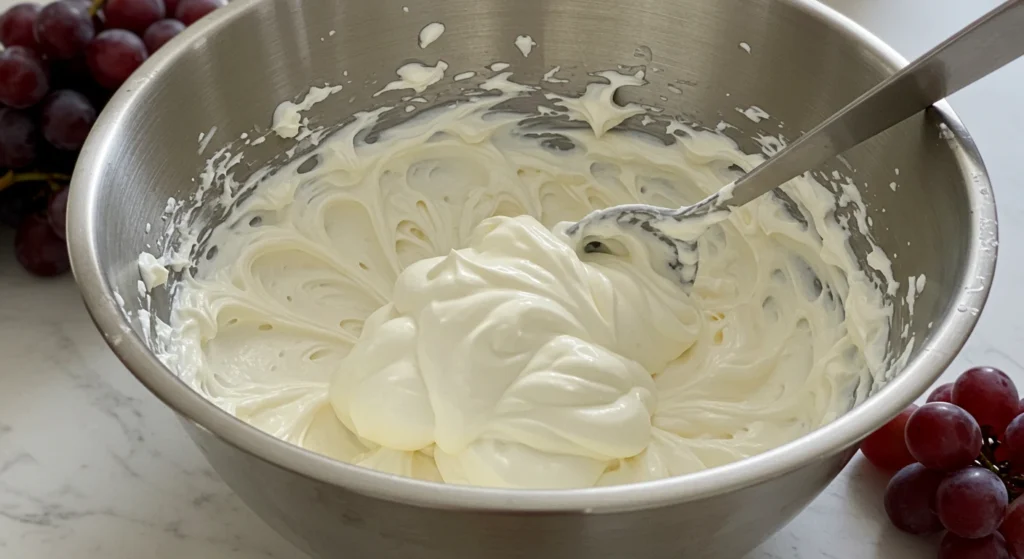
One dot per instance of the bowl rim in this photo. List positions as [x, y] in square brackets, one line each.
[948, 335]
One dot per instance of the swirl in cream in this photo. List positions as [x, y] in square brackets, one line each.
[412, 305]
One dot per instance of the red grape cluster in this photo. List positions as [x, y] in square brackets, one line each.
[58, 68]
[960, 458]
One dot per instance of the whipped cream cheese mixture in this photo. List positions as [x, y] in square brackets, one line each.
[412, 305]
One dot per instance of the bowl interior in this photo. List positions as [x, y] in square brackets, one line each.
[924, 188]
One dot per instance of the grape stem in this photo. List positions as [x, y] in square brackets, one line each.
[96, 6]
[53, 179]
[1014, 483]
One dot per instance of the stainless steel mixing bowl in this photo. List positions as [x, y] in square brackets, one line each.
[805, 61]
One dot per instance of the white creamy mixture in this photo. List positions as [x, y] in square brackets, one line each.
[412, 305]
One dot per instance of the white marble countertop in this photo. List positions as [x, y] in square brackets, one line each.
[93, 467]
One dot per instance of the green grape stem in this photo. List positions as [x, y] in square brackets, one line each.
[987, 459]
[56, 181]
[96, 6]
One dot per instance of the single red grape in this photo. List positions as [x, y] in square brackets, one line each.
[39, 249]
[910, 499]
[161, 32]
[886, 448]
[189, 11]
[17, 26]
[971, 503]
[63, 29]
[57, 213]
[989, 395]
[989, 547]
[19, 139]
[1013, 441]
[943, 393]
[23, 78]
[113, 55]
[1012, 528]
[133, 15]
[67, 118]
[943, 437]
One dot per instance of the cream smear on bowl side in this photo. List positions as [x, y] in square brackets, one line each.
[412, 305]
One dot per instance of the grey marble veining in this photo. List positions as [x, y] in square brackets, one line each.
[94, 467]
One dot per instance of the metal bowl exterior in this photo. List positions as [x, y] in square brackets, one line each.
[326, 520]
[233, 68]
